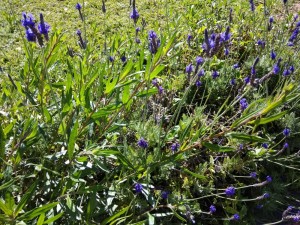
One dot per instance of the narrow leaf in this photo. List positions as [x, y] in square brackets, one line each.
[37, 212]
[269, 119]
[41, 219]
[54, 218]
[72, 140]
[247, 137]
[26, 197]
[2, 143]
[217, 148]
[201, 177]
[156, 71]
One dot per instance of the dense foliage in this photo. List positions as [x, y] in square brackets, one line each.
[185, 115]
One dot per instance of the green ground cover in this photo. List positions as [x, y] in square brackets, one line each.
[184, 112]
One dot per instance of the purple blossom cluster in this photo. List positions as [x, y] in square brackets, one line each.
[230, 191]
[142, 143]
[154, 42]
[159, 87]
[212, 43]
[34, 33]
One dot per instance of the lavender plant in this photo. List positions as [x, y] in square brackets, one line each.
[194, 120]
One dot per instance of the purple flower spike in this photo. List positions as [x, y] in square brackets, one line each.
[78, 6]
[286, 145]
[155, 82]
[261, 43]
[276, 67]
[226, 35]
[44, 29]
[236, 66]
[215, 74]
[30, 36]
[198, 83]
[123, 59]
[175, 146]
[273, 55]
[226, 52]
[201, 73]
[269, 179]
[189, 69]
[164, 194]
[212, 209]
[265, 145]
[199, 60]
[230, 191]
[266, 195]
[134, 15]
[253, 175]
[286, 132]
[247, 80]
[252, 5]
[236, 217]
[189, 38]
[154, 42]
[142, 143]
[243, 104]
[286, 72]
[232, 82]
[28, 20]
[160, 89]
[138, 188]
[111, 59]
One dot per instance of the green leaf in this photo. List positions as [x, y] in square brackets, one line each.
[201, 177]
[47, 114]
[41, 219]
[5, 208]
[169, 44]
[145, 93]
[9, 200]
[126, 70]
[91, 205]
[280, 99]
[72, 140]
[126, 94]
[37, 212]
[247, 117]
[110, 85]
[247, 137]
[269, 119]
[7, 184]
[2, 143]
[178, 216]
[115, 216]
[218, 148]
[4, 219]
[9, 128]
[26, 197]
[106, 111]
[156, 71]
[151, 219]
[186, 131]
[116, 154]
[52, 219]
